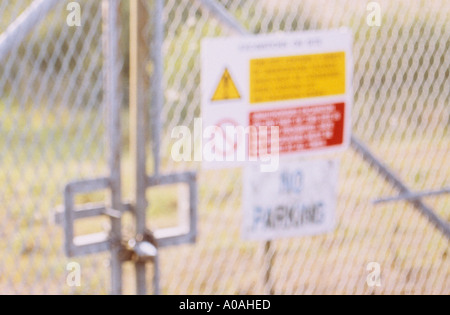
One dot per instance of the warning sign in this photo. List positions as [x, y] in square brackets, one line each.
[294, 99]
[226, 90]
[298, 83]
[299, 199]
[228, 145]
[294, 77]
[302, 128]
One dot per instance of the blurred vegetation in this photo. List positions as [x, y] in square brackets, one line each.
[55, 50]
[52, 130]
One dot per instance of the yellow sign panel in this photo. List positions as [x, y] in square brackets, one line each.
[226, 90]
[295, 77]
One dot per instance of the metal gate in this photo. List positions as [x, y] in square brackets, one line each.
[86, 114]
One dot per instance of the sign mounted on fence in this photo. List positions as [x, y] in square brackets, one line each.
[299, 199]
[299, 82]
[226, 90]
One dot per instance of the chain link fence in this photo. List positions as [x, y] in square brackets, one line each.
[53, 130]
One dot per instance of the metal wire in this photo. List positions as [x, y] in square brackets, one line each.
[401, 113]
[53, 130]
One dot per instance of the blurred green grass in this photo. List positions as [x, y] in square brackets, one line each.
[32, 245]
[43, 146]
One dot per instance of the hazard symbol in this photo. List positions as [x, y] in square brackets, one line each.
[226, 90]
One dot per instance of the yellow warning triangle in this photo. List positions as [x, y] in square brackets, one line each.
[226, 90]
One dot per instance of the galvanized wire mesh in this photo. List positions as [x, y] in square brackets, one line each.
[53, 131]
[401, 111]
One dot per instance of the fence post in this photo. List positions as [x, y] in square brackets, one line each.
[139, 123]
[110, 42]
[157, 101]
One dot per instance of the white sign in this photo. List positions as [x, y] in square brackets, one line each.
[299, 199]
[298, 82]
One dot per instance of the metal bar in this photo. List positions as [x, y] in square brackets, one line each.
[221, 13]
[88, 185]
[113, 213]
[128, 207]
[68, 221]
[169, 179]
[80, 212]
[156, 275]
[381, 168]
[110, 35]
[138, 123]
[91, 244]
[90, 210]
[88, 244]
[179, 237]
[384, 171]
[193, 207]
[157, 100]
[24, 24]
[414, 195]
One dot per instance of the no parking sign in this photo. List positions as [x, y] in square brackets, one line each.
[301, 85]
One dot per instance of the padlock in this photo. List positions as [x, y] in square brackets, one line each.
[143, 248]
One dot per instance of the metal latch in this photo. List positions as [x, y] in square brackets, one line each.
[142, 247]
[185, 234]
[69, 213]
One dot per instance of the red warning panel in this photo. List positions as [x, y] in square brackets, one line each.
[303, 128]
